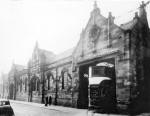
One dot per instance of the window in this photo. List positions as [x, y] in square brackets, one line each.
[26, 85]
[98, 71]
[49, 82]
[66, 80]
[20, 85]
[33, 84]
[38, 84]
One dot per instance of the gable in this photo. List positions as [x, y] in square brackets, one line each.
[90, 42]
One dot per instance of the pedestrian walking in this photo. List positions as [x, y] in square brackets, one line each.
[46, 100]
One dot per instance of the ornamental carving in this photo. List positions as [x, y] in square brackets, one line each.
[94, 34]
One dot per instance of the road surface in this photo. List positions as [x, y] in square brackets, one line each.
[34, 109]
[21, 109]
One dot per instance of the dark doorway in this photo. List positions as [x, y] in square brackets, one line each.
[83, 87]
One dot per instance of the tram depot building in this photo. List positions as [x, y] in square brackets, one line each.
[65, 76]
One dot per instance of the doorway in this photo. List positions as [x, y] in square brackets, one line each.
[83, 99]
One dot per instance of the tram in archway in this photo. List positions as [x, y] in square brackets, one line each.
[102, 87]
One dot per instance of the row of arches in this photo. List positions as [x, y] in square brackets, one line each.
[35, 83]
[22, 85]
[64, 80]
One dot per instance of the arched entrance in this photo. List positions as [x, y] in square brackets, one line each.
[83, 100]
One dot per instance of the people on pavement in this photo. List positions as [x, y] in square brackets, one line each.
[46, 100]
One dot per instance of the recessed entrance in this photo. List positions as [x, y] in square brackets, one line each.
[83, 100]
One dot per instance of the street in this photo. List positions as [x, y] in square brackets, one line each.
[35, 109]
[21, 109]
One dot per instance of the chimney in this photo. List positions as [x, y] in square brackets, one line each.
[110, 22]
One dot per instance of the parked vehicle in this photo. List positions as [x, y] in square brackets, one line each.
[5, 108]
[102, 93]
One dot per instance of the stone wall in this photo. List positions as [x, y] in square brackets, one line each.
[23, 96]
[65, 94]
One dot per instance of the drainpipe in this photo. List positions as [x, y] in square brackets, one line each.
[108, 44]
[43, 86]
[110, 22]
[56, 94]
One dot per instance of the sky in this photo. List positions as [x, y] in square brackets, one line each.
[55, 24]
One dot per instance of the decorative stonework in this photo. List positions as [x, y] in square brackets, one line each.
[94, 33]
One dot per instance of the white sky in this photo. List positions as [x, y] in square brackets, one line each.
[55, 24]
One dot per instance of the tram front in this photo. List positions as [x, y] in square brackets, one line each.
[102, 88]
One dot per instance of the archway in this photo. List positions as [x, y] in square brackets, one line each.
[83, 99]
[34, 86]
[66, 80]
[49, 82]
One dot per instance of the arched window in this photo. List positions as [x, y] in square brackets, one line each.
[26, 85]
[17, 86]
[38, 84]
[62, 74]
[20, 85]
[66, 79]
[50, 81]
[33, 84]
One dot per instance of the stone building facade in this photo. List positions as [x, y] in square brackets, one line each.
[22, 85]
[13, 80]
[127, 47]
[36, 68]
[59, 79]
[4, 86]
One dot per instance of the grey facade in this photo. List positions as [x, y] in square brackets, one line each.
[126, 46]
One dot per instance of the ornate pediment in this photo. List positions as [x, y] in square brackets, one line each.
[94, 34]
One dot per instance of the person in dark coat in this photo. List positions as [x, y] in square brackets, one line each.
[50, 100]
[46, 101]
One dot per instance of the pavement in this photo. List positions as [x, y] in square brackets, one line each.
[51, 107]
[67, 110]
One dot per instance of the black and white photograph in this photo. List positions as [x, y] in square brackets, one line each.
[74, 57]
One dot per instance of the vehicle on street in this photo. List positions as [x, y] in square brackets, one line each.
[5, 108]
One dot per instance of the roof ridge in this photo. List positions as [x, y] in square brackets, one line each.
[66, 50]
[129, 25]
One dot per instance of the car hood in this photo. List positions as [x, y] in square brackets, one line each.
[97, 80]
